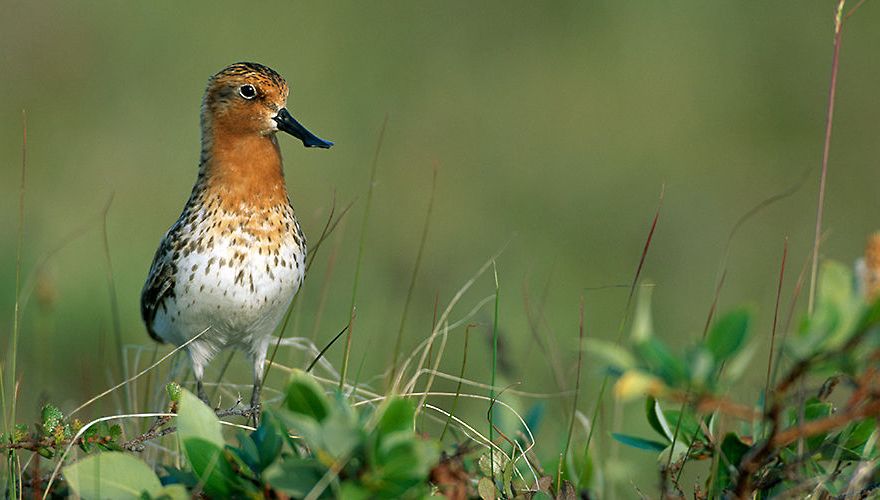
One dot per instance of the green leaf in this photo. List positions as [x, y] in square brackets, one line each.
[611, 353]
[677, 449]
[858, 433]
[196, 420]
[728, 334]
[352, 491]
[688, 428]
[584, 474]
[486, 489]
[341, 435]
[732, 452]
[304, 427]
[656, 418]
[247, 451]
[642, 327]
[839, 313]
[403, 456]
[111, 475]
[173, 492]
[701, 367]
[397, 416]
[295, 476]
[305, 397]
[637, 442]
[660, 361]
[815, 410]
[402, 464]
[267, 440]
[210, 465]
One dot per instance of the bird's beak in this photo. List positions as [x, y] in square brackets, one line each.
[287, 123]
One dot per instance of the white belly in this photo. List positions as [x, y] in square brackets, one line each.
[238, 290]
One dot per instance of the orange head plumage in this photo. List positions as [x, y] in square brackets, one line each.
[249, 98]
[243, 108]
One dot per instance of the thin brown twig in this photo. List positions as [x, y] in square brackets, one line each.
[775, 321]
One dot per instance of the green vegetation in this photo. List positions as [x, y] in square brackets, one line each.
[600, 351]
[791, 442]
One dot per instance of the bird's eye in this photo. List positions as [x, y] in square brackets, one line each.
[247, 91]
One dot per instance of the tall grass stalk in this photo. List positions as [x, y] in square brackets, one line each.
[16, 322]
[325, 288]
[361, 244]
[467, 331]
[412, 281]
[494, 368]
[722, 277]
[775, 322]
[329, 226]
[826, 149]
[577, 382]
[625, 317]
[535, 320]
[139, 374]
[114, 308]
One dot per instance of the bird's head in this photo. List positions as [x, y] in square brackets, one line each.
[249, 98]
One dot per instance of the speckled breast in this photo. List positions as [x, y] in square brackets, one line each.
[236, 273]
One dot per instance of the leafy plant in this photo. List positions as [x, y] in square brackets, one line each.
[311, 444]
[784, 432]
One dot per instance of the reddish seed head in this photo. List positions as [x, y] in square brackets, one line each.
[872, 267]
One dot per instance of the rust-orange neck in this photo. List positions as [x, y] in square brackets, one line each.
[244, 169]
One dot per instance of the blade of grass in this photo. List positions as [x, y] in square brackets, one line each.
[329, 226]
[826, 149]
[467, 332]
[577, 380]
[491, 416]
[16, 322]
[775, 322]
[795, 295]
[755, 210]
[623, 320]
[220, 375]
[415, 273]
[361, 244]
[326, 347]
[325, 287]
[536, 319]
[826, 152]
[139, 374]
[114, 308]
[440, 327]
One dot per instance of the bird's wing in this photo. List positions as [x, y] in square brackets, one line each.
[160, 284]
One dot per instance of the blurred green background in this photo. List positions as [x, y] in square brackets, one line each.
[553, 127]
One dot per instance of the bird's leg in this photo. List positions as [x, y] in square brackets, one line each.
[255, 402]
[199, 373]
[200, 391]
[259, 360]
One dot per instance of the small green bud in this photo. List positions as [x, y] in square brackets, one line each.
[51, 417]
[20, 433]
[58, 434]
[173, 389]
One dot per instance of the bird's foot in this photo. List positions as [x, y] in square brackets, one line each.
[251, 413]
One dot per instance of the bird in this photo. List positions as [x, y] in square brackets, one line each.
[226, 271]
